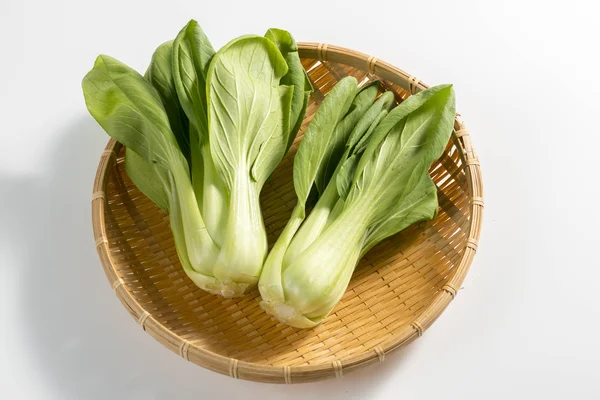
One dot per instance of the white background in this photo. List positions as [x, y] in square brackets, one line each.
[526, 77]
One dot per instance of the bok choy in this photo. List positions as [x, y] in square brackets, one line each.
[370, 168]
[203, 131]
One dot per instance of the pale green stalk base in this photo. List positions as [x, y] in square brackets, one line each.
[288, 315]
[227, 289]
[212, 285]
[289, 292]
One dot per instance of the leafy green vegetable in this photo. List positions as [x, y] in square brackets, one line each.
[148, 178]
[379, 186]
[203, 131]
[296, 76]
[327, 207]
[122, 101]
[130, 110]
[191, 57]
[249, 119]
[318, 139]
[341, 108]
[143, 174]
[337, 142]
[160, 75]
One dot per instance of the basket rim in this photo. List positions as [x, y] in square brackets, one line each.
[288, 374]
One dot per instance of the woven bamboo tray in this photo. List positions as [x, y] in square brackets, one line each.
[398, 290]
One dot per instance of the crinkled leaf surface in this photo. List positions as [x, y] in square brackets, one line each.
[192, 53]
[419, 205]
[130, 110]
[335, 149]
[160, 75]
[319, 134]
[405, 143]
[296, 77]
[247, 107]
[148, 178]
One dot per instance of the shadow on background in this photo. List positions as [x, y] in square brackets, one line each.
[79, 336]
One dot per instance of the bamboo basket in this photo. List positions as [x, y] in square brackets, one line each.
[398, 290]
